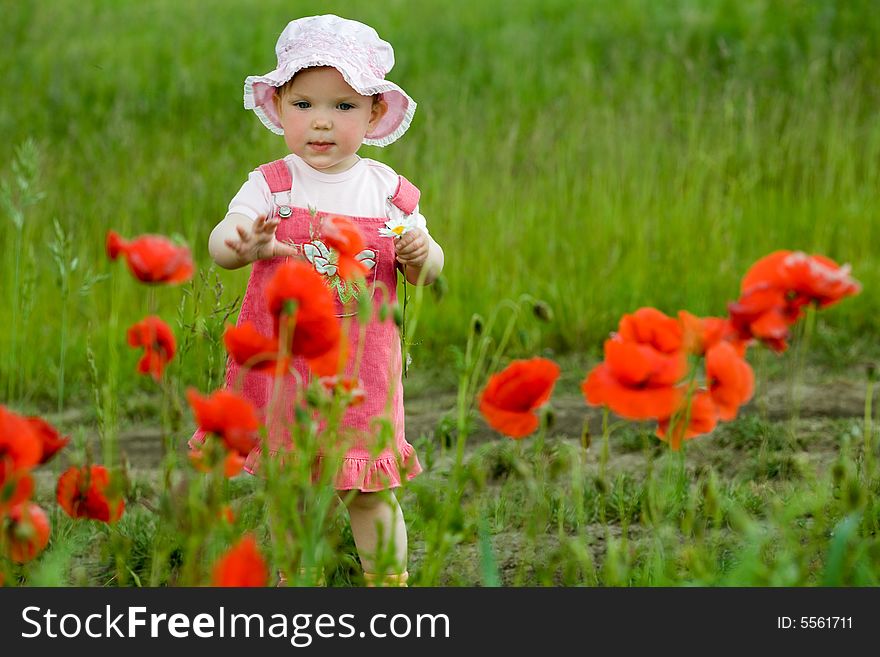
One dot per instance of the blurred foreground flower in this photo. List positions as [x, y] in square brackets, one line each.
[510, 398]
[20, 446]
[341, 234]
[312, 329]
[227, 415]
[152, 258]
[250, 348]
[156, 338]
[83, 493]
[51, 440]
[242, 565]
[27, 532]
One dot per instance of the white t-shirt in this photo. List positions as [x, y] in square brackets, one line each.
[363, 190]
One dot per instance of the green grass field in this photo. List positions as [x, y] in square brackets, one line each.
[597, 155]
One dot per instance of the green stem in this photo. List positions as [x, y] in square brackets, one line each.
[869, 429]
[806, 332]
[14, 373]
[62, 349]
[603, 455]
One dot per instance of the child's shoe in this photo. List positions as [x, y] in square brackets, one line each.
[388, 581]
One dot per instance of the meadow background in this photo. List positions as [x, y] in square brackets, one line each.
[597, 155]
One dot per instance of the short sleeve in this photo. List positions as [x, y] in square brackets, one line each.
[253, 199]
[421, 222]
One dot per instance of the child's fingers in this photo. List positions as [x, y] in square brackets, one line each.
[408, 250]
[283, 249]
[265, 225]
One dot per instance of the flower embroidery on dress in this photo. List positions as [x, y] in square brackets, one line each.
[324, 261]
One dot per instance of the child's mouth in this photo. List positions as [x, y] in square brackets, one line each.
[320, 146]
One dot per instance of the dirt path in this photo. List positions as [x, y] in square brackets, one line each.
[426, 408]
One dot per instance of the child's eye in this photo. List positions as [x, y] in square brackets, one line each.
[302, 104]
[345, 106]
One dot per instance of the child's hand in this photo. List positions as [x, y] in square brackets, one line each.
[259, 243]
[412, 247]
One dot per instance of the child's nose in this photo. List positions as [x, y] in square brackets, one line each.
[322, 123]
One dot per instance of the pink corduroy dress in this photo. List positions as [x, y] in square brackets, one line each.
[380, 365]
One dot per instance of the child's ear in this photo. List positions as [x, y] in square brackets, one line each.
[378, 111]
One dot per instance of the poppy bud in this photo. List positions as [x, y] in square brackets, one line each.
[549, 417]
[302, 416]
[586, 438]
[477, 325]
[313, 397]
[871, 371]
[543, 311]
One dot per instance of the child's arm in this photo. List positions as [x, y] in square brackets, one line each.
[238, 241]
[417, 251]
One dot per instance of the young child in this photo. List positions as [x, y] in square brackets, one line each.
[327, 96]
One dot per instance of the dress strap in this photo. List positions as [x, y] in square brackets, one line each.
[280, 181]
[277, 175]
[406, 198]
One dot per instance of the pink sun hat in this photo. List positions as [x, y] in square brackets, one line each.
[353, 49]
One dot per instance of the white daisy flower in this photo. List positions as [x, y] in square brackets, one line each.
[398, 226]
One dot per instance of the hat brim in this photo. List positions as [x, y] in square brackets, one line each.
[259, 93]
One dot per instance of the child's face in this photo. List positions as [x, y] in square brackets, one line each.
[325, 120]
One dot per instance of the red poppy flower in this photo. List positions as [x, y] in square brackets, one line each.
[152, 258]
[730, 379]
[82, 493]
[700, 418]
[226, 514]
[769, 271]
[15, 489]
[341, 234]
[156, 338]
[229, 416]
[248, 347]
[242, 565]
[805, 279]
[27, 532]
[701, 333]
[51, 440]
[818, 279]
[20, 446]
[765, 314]
[651, 327]
[314, 329]
[331, 362]
[233, 462]
[510, 398]
[636, 381]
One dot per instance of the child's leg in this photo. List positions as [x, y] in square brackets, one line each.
[377, 523]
